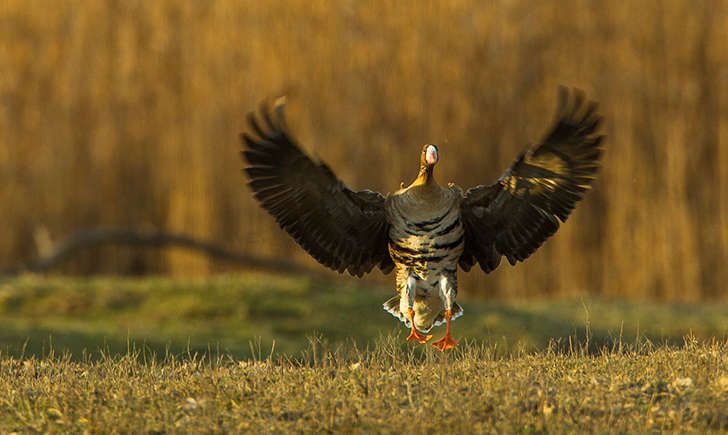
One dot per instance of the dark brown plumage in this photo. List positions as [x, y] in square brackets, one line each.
[341, 228]
[515, 215]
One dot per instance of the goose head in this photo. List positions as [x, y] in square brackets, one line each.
[429, 156]
[428, 160]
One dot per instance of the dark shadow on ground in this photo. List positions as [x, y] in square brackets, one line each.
[254, 315]
[40, 342]
[508, 329]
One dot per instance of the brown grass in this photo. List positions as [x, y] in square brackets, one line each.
[127, 114]
[386, 390]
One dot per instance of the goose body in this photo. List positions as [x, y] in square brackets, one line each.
[425, 231]
[426, 239]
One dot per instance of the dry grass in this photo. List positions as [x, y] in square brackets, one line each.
[127, 114]
[383, 390]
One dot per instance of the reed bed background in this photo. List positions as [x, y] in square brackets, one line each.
[127, 114]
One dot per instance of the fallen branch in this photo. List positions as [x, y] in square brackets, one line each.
[104, 236]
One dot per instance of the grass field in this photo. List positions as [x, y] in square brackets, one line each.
[263, 353]
[387, 389]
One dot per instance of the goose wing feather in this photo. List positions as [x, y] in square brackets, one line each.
[343, 229]
[516, 214]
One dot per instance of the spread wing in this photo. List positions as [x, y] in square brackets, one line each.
[514, 216]
[341, 228]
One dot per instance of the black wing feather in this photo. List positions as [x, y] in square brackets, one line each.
[341, 228]
[514, 216]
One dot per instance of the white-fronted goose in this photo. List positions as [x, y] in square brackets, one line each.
[424, 230]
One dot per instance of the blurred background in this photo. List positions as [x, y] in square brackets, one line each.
[127, 114]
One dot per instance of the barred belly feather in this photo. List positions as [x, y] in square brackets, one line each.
[425, 246]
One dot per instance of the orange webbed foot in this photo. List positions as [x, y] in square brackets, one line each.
[447, 341]
[415, 334]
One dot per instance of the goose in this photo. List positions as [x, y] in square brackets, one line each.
[424, 231]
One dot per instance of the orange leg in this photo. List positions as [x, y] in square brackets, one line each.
[447, 341]
[415, 334]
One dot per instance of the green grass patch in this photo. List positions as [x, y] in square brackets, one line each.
[227, 314]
